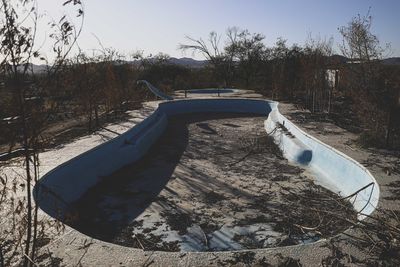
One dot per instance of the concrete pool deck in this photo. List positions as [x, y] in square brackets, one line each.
[75, 248]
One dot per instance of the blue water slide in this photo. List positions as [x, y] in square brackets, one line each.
[155, 90]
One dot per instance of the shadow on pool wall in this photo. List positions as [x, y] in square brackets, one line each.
[62, 186]
[121, 197]
[57, 190]
[127, 189]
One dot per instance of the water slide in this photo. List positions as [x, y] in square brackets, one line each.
[155, 90]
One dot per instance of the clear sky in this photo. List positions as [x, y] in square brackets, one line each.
[160, 25]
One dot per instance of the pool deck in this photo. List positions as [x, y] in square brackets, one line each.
[76, 249]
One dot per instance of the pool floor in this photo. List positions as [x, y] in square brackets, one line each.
[212, 182]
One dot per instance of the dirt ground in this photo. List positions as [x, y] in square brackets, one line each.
[67, 127]
[212, 182]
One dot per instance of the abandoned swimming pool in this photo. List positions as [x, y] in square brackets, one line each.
[128, 192]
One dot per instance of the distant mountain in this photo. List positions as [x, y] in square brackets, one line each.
[391, 61]
[187, 62]
[193, 63]
[33, 67]
[39, 68]
[338, 59]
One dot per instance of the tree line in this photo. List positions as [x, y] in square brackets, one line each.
[311, 75]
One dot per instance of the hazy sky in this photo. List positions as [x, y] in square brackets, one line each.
[160, 25]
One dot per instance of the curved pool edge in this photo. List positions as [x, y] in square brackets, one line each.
[63, 185]
[104, 253]
[334, 170]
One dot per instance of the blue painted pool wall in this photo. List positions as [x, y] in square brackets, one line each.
[69, 181]
[342, 173]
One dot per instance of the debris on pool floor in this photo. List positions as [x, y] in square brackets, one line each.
[212, 182]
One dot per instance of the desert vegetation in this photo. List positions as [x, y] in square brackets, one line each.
[353, 83]
[24, 99]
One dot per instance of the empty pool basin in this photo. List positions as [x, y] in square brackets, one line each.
[212, 91]
[58, 191]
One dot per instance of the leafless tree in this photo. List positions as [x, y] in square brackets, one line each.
[359, 43]
[248, 49]
[18, 30]
[220, 59]
[314, 60]
[367, 79]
